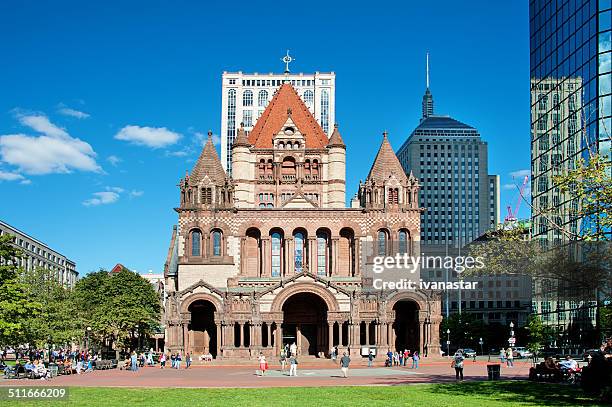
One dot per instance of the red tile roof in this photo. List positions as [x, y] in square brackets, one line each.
[286, 101]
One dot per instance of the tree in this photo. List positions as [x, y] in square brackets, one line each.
[118, 307]
[465, 330]
[535, 330]
[15, 305]
[58, 321]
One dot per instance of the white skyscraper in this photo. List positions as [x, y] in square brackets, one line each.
[245, 96]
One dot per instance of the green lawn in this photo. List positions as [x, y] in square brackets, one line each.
[489, 394]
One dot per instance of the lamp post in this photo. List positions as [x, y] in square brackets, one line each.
[448, 342]
[481, 343]
[511, 340]
[87, 331]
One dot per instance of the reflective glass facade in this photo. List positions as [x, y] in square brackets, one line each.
[570, 63]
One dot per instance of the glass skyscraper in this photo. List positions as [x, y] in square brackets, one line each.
[570, 62]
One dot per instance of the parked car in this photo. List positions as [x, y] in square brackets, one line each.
[469, 353]
[521, 352]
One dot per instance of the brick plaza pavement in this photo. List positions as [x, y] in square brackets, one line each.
[325, 374]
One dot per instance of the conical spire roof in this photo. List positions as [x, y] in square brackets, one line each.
[286, 102]
[336, 139]
[386, 163]
[241, 139]
[208, 164]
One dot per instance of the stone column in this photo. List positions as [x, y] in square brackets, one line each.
[278, 338]
[289, 260]
[330, 326]
[367, 333]
[243, 264]
[334, 257]
[357, 257]
[241, 325]
[219, 337]
[341, 327]
[312, 254]
[267, 254]
[298, 338]
[269, 328]
[185, 337]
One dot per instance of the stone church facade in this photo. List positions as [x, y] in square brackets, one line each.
[273, 256]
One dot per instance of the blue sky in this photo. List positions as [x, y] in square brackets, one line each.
[74, 75]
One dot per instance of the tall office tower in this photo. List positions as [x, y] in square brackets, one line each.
[570, 103]
[570, 64]
[245, 96]
[450, 160]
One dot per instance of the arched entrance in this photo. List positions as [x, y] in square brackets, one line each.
[305, 324]
[202, 328]
[406, 325]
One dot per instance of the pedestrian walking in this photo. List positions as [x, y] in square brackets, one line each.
[509, 358]
[283, 360]
[457, 363]
[406, 356]
[415, 360]
[389, 358]
[173, 361]
[188, 360]
[344, 364]
[293, 362]
[370, 358]
[263, 365]
[162, 360]
[502, 355]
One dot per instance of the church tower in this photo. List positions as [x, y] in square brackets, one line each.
[337, 170]
[387, 185]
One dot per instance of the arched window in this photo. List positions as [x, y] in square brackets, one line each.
[288, 169]
[309, 98]
[276, 254]
[262, 98]
[196, 243]
[262, 169]
[281, 145]
[216, 243]
[393, 195]
[300, 251]
[247, 98]
[382, 243]
[322, 252]
[315, 169]
[403, 241]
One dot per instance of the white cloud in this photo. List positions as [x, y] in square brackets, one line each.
[11, 176]
[114, 160]
[118, 190]
[102, 198]
[41, 124]
[216, 139]
[53, 152]
[66, 111]
[201, 138]
[509, 186]
[180, 153]
[136, 194]
[520, 173]
[154, 137]
[47, 155]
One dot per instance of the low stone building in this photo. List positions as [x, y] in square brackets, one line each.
[273, 256]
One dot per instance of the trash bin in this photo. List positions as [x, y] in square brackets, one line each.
[493, 371]
[53, 369]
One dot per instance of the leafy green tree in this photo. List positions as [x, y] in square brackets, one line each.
[58, 322]
[535, 330]
[16, 307]
[118, 307]
[465, 330]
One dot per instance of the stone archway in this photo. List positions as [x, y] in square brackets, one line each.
[202, 329]
[406, 325]
[305, 324]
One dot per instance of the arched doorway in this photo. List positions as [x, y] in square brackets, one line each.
[305, 324]
[202, 328]
[406, 325]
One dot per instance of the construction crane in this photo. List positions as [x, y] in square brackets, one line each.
[511, 216]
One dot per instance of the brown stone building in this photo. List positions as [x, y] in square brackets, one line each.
[273, 256]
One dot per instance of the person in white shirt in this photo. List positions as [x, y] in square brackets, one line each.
[568, 363]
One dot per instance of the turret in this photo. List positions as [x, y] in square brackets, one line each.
[337, 170]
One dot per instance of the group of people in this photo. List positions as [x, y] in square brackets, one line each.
[288, 356]
[399, 358]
